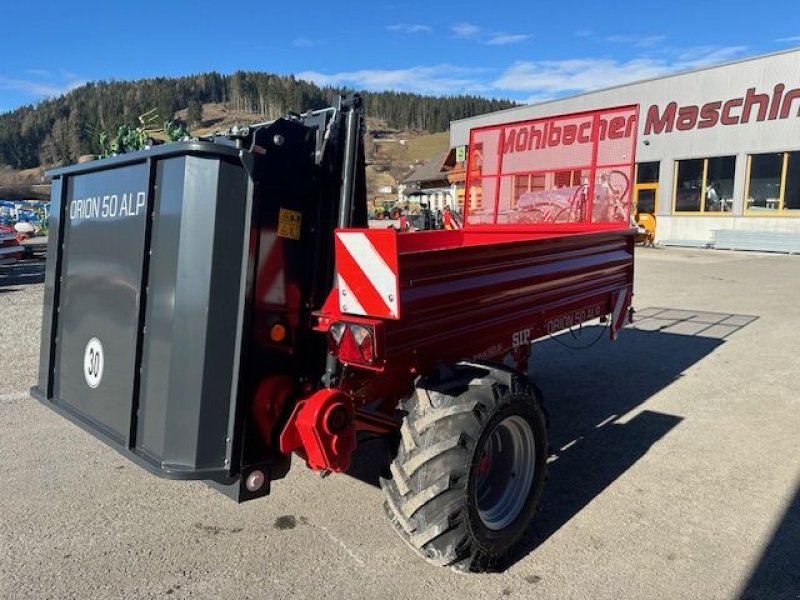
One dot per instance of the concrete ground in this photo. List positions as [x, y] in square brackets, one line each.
[675, 471]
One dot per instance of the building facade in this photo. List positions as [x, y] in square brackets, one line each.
[429, 184]
[718, 149]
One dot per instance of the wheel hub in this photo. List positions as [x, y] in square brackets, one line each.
[505, 472]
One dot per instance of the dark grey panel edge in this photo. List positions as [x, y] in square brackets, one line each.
[244, 295]
[218, 475]
[52, 273]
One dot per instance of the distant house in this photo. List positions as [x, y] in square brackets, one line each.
[429, 183]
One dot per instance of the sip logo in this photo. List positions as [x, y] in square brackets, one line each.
[93, 363]
[521, 338]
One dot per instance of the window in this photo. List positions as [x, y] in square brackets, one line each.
[764, 186]
[646, 201]
[648, 172]
[646, 189]
[791, 191]
[719, 184]
[704, 185]
[689, 181]
[774, 183]
[566, 178]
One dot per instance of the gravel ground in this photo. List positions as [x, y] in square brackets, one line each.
[675, 471]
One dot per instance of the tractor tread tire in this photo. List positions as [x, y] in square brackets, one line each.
[427, 497]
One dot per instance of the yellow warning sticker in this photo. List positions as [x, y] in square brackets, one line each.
[289, 223]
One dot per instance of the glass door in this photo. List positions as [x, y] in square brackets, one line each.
[645, 192]
[645, 198]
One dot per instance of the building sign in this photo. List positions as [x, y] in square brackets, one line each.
[565, 132]
[461, 153]
[755, 107]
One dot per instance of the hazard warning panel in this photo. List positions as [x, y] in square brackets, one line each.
[367, 273]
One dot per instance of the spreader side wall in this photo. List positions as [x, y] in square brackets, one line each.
[481, 301]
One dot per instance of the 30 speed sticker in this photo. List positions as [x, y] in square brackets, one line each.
[93, 363]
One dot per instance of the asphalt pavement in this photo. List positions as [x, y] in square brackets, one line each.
[675, 471]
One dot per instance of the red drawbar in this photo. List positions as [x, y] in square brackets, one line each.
[323, 427]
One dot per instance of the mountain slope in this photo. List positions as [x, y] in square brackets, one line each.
[61, 129]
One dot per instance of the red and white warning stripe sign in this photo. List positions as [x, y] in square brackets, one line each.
[271, 280]
[367, 273]
[620, 315]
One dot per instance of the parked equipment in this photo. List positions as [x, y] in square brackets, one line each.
[10, 250]
[213, 306]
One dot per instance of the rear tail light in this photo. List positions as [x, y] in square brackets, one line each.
[352, 342]
[337, 331]
[365, 340]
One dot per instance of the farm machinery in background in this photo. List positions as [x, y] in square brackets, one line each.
[20, 222]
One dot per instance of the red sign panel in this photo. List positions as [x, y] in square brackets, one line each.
[573, 171]
[367, 272]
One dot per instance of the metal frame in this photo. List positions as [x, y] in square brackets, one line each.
[592, 167]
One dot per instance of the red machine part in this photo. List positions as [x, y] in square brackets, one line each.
[322, 427]
[10, 250]
[269, 400]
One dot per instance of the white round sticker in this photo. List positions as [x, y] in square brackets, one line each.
[93, 362]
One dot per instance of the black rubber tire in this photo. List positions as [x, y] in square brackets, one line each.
[430, 493]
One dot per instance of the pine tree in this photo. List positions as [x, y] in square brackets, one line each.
[194, 113]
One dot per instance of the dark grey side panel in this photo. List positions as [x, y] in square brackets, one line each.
[193, 307]
[105, 218]
[162, 286]
[51, 276]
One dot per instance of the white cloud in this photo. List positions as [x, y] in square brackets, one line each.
[537, 98]
[558, 77]
[503, 39]
[40, 89]
[529, 81]
[465, 30]
[704, 56]
[304, 42]
[438, 79]
[41, 73]
[547, 79]
[410, 28]
[638, 41]
[789, 40]
[491, 38]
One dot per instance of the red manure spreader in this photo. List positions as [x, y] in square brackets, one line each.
[214, 306]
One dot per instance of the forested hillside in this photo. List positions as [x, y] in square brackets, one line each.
[60, 130]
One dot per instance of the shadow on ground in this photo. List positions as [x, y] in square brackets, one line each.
[777, 574]
[587, 390]
[588, 384]
[24, 272]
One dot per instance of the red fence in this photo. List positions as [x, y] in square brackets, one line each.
[570, 172]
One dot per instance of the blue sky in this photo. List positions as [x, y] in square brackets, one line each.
[526, 51]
